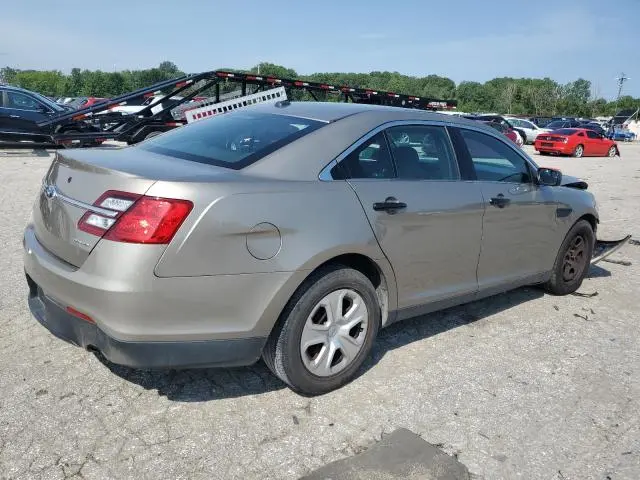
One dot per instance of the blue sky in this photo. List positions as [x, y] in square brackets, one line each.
[461, 39]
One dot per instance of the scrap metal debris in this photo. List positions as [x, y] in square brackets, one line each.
[585, 295]
[617, 262]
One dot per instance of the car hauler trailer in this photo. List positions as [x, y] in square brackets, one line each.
[171, 104]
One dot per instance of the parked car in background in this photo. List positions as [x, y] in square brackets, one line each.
[579, 142]
[556, 124]
[623, 134]
[541, 122]
[214, 219]
[83, 102]
[505, 130]
[495, 118]
[530, 129]
[596, 127]
[20, 112]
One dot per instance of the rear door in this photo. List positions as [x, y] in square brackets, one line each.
[519, 221]
[427, 221]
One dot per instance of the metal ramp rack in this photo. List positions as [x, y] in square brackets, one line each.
[172, 102]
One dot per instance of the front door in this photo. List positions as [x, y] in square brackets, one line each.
[520, 216]
[21, 112]
[427, 222]
[597, 146]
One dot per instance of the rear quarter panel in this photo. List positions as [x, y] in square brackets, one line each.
[298, 224]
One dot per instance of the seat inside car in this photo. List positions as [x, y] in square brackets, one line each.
[410, 167]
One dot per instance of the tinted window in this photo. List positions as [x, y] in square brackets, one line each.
[556, 124]
[592, 134]
[21, 101]
[565, 131]
[525, 124]
[422, 152]
[497, 126]
[231, 140]
[370, 160]
[494, 160]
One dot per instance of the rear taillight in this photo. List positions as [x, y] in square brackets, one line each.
[130, 218]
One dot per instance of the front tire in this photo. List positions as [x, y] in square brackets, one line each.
[325, 332]
[573, 260]
[612, 152]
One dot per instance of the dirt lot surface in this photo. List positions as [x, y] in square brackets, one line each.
[523, 385]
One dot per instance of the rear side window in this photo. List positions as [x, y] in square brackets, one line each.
[592, 134]
[422, 152]
[231, 140]
[372, 159]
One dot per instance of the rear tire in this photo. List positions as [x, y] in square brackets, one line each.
[579, 151]
[546, 154]
[573, 260]
[319, 365]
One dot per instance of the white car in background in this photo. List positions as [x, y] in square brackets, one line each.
[530, 129]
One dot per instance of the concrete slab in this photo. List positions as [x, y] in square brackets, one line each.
[400, 455]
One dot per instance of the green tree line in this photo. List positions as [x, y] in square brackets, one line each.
[534, 96]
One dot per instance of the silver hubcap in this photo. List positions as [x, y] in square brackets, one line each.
[579, 152]
[612, 152]
[334, 333]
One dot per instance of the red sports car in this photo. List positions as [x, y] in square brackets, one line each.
[578, 142]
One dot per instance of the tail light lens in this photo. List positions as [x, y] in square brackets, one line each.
[131, 218]
[150, 220]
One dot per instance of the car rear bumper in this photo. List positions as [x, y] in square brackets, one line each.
[561, 149]
[137, 354]
[141, 320]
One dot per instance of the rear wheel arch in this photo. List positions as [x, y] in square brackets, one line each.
[370, 269]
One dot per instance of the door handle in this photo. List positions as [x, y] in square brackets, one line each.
[14, 116]
[500, 201]
[390, 205]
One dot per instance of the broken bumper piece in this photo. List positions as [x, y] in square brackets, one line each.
[604, 248]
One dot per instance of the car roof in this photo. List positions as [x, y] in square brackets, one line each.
[333, 111]
[16, 89]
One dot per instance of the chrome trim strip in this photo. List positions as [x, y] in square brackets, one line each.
[79, 204]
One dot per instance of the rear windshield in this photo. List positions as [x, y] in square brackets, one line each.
[232, 140]
[564, 131]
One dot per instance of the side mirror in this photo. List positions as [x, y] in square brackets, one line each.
[549, 177]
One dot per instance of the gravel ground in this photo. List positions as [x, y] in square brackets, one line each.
[523, 385]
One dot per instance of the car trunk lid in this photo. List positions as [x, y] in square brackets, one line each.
[68, 191]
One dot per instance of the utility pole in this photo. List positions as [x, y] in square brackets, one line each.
[621, 79]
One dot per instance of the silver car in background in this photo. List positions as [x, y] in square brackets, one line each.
[293, 232]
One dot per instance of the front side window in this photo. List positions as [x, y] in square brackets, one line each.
[370, 160]
[592, 134]
[21, 101]
[232, 140]
[422, 152]
[494, 160]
